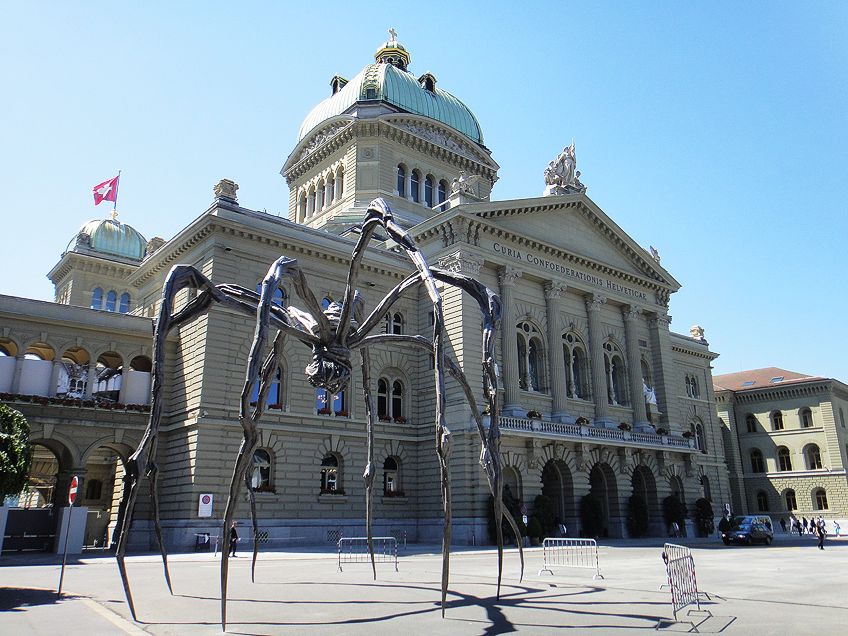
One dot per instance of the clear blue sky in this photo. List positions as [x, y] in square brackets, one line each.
[713, 131]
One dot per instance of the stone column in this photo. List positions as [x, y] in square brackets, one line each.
[596, 353]
[509, 372]
[19, 369]
[54, 378]
[408, 184]
[662, 367]
[559, 382]
[328, 194]
[634, 361]
[91, 380]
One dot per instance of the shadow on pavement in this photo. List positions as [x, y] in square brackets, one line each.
[20, 598]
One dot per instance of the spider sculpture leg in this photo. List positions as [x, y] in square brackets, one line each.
[141, 462]
[368, 476]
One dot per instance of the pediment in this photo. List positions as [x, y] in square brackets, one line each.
[575, 225]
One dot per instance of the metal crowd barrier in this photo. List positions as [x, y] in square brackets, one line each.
[355, 550]
[680, 569]
[571, 553]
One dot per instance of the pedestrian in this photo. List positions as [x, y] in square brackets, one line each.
[783, 524]
[836, 528]
[675, 529]
[234, 538]
[821, 532]
[804, 523]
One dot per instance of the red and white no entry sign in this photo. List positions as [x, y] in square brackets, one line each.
[72, 491]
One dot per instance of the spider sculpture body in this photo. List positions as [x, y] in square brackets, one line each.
[331, 334]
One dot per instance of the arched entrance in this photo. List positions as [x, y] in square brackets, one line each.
[645, 487]
[102, 491]
[603, 488]
[558, 487]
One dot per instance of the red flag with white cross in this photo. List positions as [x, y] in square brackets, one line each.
[106, 191]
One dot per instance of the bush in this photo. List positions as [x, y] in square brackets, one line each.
[543, 509]
[15, 452]
[674, 510]
[534, 528]
[637, 516]
[704, 517]
[511, 505]
[591, 517]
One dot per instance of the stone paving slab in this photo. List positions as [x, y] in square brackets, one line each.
[788, 588]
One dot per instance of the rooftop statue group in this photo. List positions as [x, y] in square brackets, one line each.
[562, 175]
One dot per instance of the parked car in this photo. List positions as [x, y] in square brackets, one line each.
[748, 530]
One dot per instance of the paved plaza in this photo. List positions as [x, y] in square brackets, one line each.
[788, 588]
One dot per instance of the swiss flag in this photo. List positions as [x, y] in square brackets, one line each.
[106, 191]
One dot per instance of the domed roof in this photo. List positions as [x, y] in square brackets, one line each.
[109, 236]
[388, 83]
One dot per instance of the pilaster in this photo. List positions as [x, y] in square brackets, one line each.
[637, 400]
[596, 353]
[506, 278]
[556, 360]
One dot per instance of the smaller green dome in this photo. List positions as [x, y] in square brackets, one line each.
[109, 236]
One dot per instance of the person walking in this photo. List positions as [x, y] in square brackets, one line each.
[233, 538]
[821, 532]
[804, 523]
[783, 524]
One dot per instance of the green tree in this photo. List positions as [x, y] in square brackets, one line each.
[637, 516]
[704, 517]
[534, 528]
[543, 509]
[15, 452]
[674, 510]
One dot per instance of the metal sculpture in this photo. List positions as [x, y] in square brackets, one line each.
[332, 334]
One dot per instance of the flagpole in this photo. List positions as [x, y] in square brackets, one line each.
[117, 183]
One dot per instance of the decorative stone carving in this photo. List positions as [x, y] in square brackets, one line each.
[439, 137]
[594, 302]
[562, 176]
[697, 332]
[662, 297]
[508, 275]
[461, 263]
[649, 393]
[322, 136]
[555, 289]
[462, 185]
[225, 190]
[631, 312]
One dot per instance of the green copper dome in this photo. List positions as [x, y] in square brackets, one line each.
[383, 82]
[109, 236]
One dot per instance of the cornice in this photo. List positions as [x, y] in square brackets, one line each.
[88, 263]
[770, 393]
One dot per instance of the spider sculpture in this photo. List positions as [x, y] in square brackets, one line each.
[331, 334]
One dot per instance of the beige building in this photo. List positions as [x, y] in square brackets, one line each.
[786, 442]
[600, 397]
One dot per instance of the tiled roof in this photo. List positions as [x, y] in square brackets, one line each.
[759, 379]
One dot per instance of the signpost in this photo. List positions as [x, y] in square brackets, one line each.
[72, 497]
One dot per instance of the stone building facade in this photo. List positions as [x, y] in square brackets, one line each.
[786, 442]
[599, 395]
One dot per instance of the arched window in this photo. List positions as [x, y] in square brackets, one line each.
[339, 182]
[806, 418]
[275, 392]
[397, 401]
[757, 464]
[111, 300]
[391, 477]
[789, 500]
[700, 437]
[443, 194]
[310, 203]
[93, 489]
[530, 357]
[762, 501]
[688, 387]
[820, 499]
[383, 412]
[260, 479]
[301, 208]
[813, 457]
[401, 180]
[429, 183]
[616, 374]
[97, 298]
[784, 459]
[331, 483]
[331, 189]
[319, 196]
[777, 421]
[393, 323]
[124, 307]
[576, 366]
[751, 423]
[414, 183]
